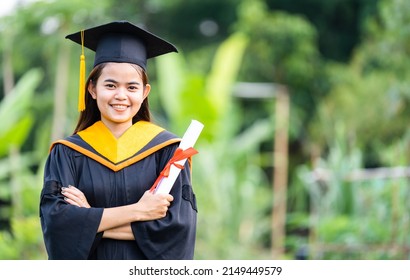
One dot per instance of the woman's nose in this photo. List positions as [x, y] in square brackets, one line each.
[120, 94]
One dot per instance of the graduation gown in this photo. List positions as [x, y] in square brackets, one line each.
[114, 172]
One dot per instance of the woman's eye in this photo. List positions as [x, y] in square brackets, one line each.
[110, 85]
[132, 88]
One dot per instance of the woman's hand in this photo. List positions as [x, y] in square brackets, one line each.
[74, 196]
[150, 207]
[153, 206]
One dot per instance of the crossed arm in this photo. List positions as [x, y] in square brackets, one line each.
[116, 221]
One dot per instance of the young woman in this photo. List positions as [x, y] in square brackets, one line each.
[96, 203]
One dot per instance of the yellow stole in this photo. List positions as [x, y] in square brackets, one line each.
[114, 153]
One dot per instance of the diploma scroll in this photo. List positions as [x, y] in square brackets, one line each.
[165, 183]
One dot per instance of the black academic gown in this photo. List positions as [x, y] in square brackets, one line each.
[110, 176]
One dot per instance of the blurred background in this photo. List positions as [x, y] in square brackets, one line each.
[305, 103]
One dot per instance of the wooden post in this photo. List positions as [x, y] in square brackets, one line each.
[280, 154]
[280, 173]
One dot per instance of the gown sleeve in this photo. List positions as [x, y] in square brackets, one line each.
[172, 237]
[69, 231]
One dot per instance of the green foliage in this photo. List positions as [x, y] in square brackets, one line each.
[283, 47]
[15, 109]
[230, 185]
[284, 50]
[22, 185]
[183, 91]
[370, 96]
[16, 178]
[354, 219]
[344, 116]
[339, 23]
[25, 242]
[18, 184]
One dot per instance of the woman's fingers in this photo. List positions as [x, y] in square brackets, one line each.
[74, 196]
[155, 205]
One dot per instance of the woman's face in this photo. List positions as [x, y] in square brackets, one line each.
[119, 93]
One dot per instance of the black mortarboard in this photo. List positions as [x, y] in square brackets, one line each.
[119, 41]
[122, 41]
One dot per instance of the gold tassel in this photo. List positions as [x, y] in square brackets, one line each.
[81, 91]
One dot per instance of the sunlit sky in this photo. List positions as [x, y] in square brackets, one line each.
[7, 6]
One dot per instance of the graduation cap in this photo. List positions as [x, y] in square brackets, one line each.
[118, 41]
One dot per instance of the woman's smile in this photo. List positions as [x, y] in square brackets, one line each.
[119, 107]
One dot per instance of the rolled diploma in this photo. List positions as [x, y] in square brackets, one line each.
[187, 141]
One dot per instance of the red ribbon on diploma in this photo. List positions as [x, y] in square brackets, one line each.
[178, 155]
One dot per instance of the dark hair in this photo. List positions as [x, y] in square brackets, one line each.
[92, 114]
